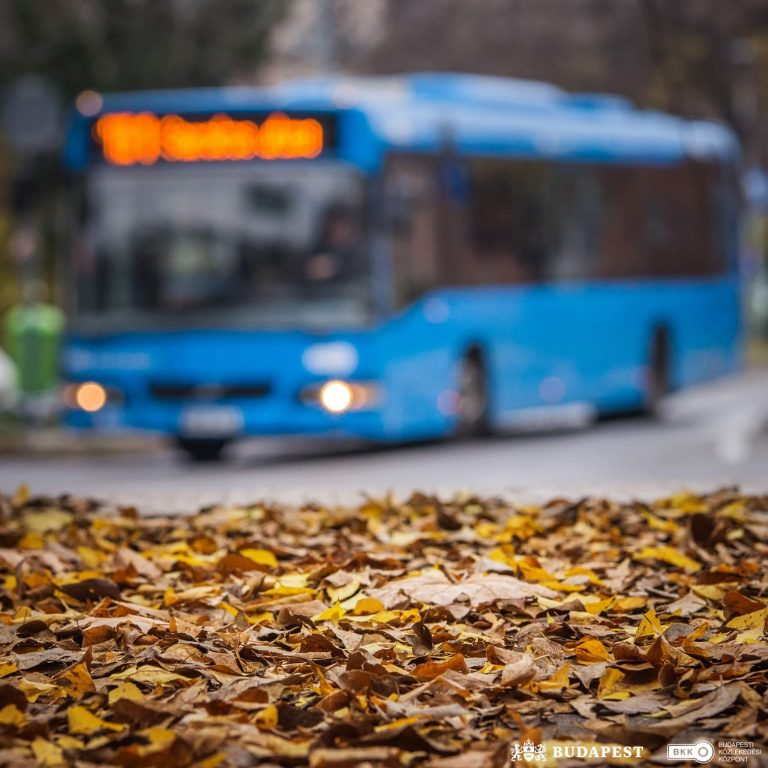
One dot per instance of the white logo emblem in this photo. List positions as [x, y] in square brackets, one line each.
[702, 751]
[528, 751]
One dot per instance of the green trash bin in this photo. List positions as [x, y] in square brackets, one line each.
[33, 335]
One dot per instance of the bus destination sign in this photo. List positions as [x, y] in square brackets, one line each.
[145, 138]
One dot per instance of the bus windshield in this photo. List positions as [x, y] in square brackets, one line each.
[254, 245]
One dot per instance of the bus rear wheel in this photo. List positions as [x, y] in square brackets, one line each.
[473, 398]
[201, 449]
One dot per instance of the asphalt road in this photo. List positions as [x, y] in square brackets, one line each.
[713, 436]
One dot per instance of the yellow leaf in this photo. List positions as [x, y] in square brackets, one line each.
[125, 691]
[388, 617]
[709, 591]
[367, 605]
[70, 742]
[685, 504]
[486, 530]
[47, 520]
[76, 681]
[31, 540]
[268, 717]
[34, 689]
[534, 573]
[609, 680]
[340, 594]
[754, 620]
[649, 625]
[736, 510]
[750, 636]
[47, 753]
[291, 584]
[259, 618]
[159, 739]
[630, 603]
[579, 570]
[555, 682]
[229, 608]
[21, 495]
[10, 714]
[395, 724]
[91, 558]
[668, 526]
[260, 556]
[668, 555]
[333, 614]
[597, 607]
[81, 720]
[590, 650]
[504, 555]
[520, 527]
[617, 696]
[323, 686]
[8, 668]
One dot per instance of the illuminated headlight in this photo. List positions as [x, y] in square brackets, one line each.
[88, 396]
[338, 396]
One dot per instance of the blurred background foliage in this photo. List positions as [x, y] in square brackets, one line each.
[134, 44]
[705, 58]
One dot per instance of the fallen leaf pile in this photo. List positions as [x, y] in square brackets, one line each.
[423, 633]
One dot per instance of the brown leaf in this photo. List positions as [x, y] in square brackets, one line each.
[518, 672]
[737, 604]
[431, 669]
[91, 589]
[434, 588]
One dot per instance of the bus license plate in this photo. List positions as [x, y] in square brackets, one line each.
[211, 421]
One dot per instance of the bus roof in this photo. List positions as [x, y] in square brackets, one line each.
[428, 112]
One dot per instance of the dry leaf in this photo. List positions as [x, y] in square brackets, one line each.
[429, 631]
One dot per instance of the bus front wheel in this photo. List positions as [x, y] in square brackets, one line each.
[473, 397]
[201, 449]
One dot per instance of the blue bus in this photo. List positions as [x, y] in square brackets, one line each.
[392, 258]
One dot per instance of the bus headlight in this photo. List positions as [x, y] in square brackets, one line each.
[88, 396]
[337, 396]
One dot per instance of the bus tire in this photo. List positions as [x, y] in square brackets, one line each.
[658, 378]
[201, 449]
[472, 409]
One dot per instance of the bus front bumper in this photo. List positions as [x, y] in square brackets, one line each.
[307, 415]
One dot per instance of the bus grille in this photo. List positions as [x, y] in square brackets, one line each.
[207, 391]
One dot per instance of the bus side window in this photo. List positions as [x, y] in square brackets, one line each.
[621, 250]
[416, 258]
[726, 196]
[508, 211]
[577, 204]
[659, 222]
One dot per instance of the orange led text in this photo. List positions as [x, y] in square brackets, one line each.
[144, 138]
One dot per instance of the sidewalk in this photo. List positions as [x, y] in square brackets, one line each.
[734, 409]
[19, 440]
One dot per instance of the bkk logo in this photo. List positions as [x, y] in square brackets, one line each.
[702, 751]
